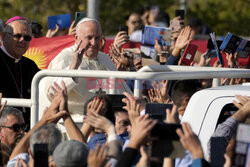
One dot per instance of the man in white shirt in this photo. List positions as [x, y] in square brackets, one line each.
[84, 55]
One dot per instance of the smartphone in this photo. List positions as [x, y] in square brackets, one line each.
[210, 43]
[166, 141]
[188, 55]
[180, 13]
[165, 131]
[243, 48]
[219, 56]
[116, 101]
[157, 111]
[63, 21]
[230, 43]
[210, 48]
[123, 28]
[41, 155]
[79, 16]
[218, 149]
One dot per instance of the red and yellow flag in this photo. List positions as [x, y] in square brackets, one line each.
[43, 50]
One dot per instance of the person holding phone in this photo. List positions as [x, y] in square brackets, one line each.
[133, 21]
[84, 55]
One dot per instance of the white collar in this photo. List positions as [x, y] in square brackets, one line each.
[5, 51]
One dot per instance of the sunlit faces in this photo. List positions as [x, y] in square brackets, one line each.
[17, 41]
[133, 21]
[90, 34]
[122, 122]
[9, 136]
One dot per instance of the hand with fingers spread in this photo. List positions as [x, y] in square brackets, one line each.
[96, 105]
[98, 157]
[183, 39]
[155, 96]
[172, 117]
[51, 33]
[100, 122]
[77, 58]
[4, 104]
[72, 29]
[158, 93]
[244, 108]
[141, 130]
[59, 106]
[242, 101]
[132, 106]
[190, 141]
[60, 94]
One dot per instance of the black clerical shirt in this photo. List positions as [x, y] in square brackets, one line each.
[15, 77]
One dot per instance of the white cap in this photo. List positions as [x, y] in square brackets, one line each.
[86, 19]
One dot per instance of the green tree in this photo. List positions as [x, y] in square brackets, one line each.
[223, 16]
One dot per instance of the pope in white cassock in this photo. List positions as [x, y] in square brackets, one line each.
[84, 55]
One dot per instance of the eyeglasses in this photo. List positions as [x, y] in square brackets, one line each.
[16, 127]
[18, 36]
[136, 21]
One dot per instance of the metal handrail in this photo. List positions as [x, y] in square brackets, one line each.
[171, 73]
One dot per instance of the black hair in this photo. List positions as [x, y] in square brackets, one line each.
[162, 17]
[194, 22]
[184, 88]
[36, 29]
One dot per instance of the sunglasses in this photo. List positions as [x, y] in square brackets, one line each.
[16, 127]
[18, 36]
[134, 22]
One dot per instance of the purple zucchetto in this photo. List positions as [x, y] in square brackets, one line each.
[14, 19]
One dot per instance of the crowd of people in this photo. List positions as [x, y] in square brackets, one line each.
[115, 131]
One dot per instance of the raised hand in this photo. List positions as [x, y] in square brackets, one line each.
[159, 92]
[145, 157]
[100, 122]
[232, 59]
[60, 93]
[244, 102]
[172, 117]
[77, 57]
[96, 105]
[51, 33]
[98, 157]
[141, 130]
[190, 141]
[132, 106]
[72, 28]
[120, 39]
[183, 39]
[59, 107]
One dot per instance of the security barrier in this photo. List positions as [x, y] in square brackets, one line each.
[153, 72]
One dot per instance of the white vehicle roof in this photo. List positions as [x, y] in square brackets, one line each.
[204, 107]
